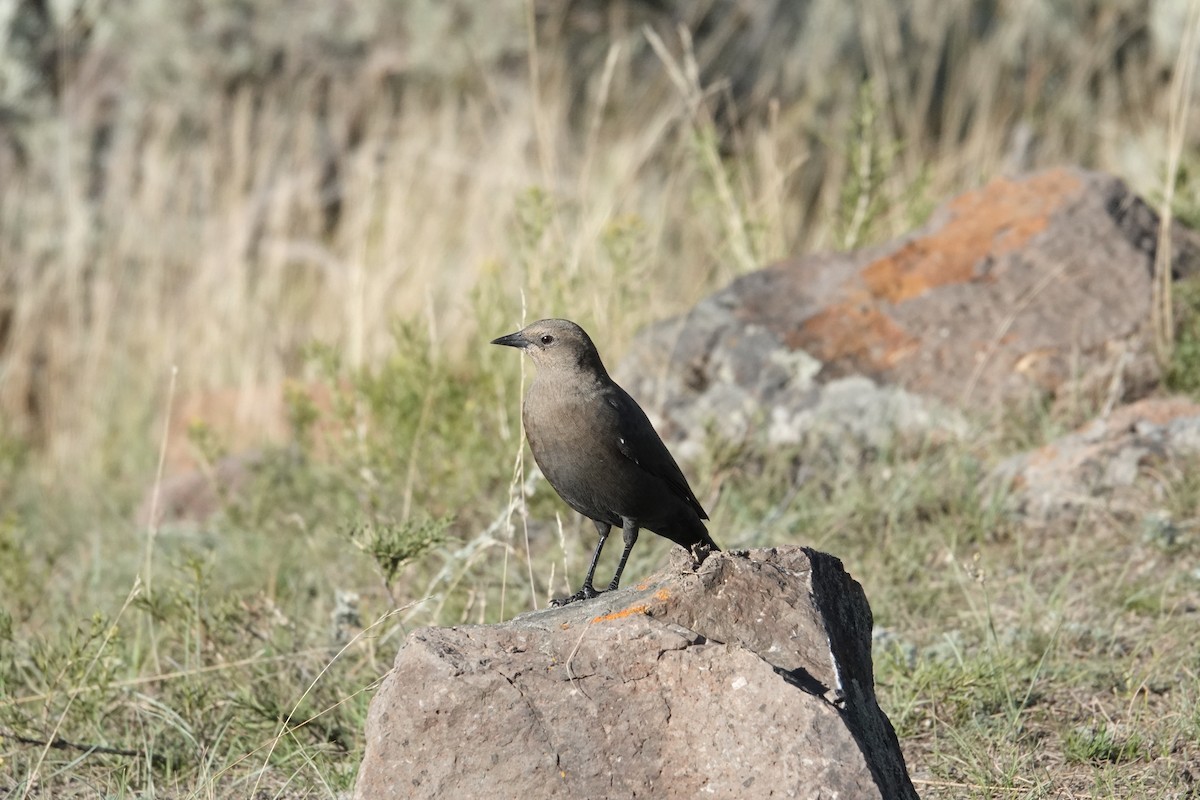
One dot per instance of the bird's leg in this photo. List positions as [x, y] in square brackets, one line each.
[630, 531]
[588, 591]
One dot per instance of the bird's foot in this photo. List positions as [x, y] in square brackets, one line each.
[586, 593]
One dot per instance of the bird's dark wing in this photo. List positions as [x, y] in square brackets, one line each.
[640, 443]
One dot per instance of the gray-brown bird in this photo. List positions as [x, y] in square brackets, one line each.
[599, 451]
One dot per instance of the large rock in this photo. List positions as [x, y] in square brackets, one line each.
[749, 676]
[1097, 468]
[1024, 287]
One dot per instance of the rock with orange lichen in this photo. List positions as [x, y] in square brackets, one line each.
[747, 676]
[1119, 466]
[1035, 287]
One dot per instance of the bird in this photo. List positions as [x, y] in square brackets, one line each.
[599, 451]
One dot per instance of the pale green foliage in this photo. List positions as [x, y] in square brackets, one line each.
[394, 545]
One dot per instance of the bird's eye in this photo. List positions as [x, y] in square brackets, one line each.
[547, 338]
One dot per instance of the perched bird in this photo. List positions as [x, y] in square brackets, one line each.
[599, 451]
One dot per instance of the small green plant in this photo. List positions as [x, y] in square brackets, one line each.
[1186, 205]
[1183, 370]
[1098, 744]
[871, 159]
[205, 442]
[392, 545]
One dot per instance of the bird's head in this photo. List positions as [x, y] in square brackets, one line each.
[557, 344]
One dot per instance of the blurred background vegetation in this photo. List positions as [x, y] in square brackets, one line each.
[319, 212]
[217, 184]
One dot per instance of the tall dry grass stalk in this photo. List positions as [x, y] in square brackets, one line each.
[173, 209]
[1178, 118]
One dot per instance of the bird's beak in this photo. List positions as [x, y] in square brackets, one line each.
[517, 340]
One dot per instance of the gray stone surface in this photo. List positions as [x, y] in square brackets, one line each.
[748, 676]
[717, 376]
[1097, 467]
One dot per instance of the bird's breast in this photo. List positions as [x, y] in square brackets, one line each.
[564, 436]
[574, 444]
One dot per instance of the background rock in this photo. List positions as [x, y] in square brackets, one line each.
[199, 494]
[1024, 288]
[1097, 466]
[749, 676]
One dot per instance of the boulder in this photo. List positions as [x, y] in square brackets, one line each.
[199, 494]
[749, 675]
[1097, 468]
[1024, 288]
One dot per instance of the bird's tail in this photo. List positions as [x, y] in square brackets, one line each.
[691, 535]
[703, 548]
[702, 544]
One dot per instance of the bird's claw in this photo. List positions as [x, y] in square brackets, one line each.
[586, 593]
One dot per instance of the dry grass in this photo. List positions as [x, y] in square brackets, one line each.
[214, 190]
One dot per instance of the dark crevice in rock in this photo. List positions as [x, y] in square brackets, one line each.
[803, 681]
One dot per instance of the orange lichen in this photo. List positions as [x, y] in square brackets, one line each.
[661, 595]
[1155, 410]
[860, 332]
[989, 222]
[1047, 454]
[640, 608]
[859, 329]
